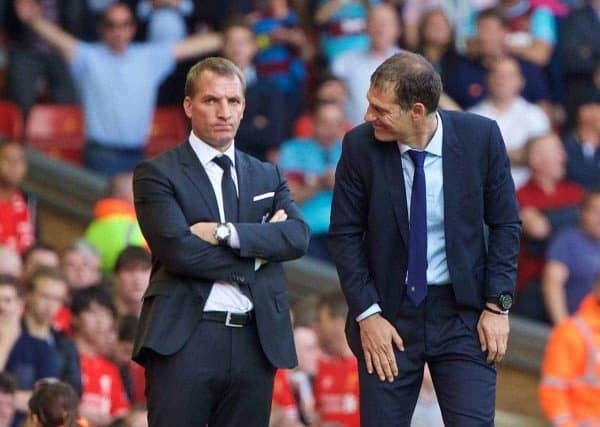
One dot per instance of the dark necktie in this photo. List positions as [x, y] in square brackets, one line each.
[230, 198]
[416, 281]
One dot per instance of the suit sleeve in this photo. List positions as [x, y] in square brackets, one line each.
[502, 217]
[346, 234]
[168, 233]
[279, 241]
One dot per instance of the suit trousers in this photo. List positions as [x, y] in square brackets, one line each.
[445, 336]
[220, 377]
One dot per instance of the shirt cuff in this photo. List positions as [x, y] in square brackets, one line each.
[369, 312]
[234, 238]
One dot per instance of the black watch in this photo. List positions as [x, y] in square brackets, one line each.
[222, 234]
[504, 300]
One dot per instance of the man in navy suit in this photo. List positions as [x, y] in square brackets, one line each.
[425, 234]
[215, 321]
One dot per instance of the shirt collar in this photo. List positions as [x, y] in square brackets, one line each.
[206, 153]
[435, 144]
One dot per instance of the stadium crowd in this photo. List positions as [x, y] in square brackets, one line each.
[70, 314]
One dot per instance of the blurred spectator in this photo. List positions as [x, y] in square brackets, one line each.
[573, 262]
[16, 222]
[115, 225]
[262, 127]
[28, 358]
[517, 119]
[104, 396]
[548, 203]
[165, 19]
[569, 392]
[132, 374]
[118, 81]
[8, 389]
[583, 144]
[330, 90]
[80, 263]
[10, 262]
[459, 12]
[309, 165]
[53, 404]
[47, 291]
[355, 68]
[531, 30]
[132, 274]
[336, 382]
[302, 378]
[283, 51]
[284, 408]
[436, 43]
[137, 417]
[465, 81]
[580, 53]
[31, 60]
[39, 255]
[342, 25]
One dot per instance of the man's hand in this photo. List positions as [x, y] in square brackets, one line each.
[206, 231]
[377, 336]
[279, 216]
[493, 334]
[27, 10]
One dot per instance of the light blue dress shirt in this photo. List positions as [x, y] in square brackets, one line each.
[437, 266]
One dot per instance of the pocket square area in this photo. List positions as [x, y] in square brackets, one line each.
[263, 196]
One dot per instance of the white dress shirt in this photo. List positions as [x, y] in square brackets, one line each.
[224, 296]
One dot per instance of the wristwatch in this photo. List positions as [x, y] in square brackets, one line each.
[222, 234]
[504, 300]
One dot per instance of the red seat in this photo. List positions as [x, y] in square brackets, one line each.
[11, 121]
[57, 130]
[169, 128]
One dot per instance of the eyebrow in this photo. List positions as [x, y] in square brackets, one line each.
[376, 106]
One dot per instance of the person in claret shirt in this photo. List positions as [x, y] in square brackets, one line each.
[336, 382]
[103, 398]
[16, 226]
[548, 203]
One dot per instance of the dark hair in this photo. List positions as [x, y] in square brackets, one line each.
[335, 302]
[11, 282]
[133, 256]
[83, 299]
[127, 328]
[491, 12]
[47, 273]
[214, 64]
[8, 383]
[55, 404]
[414, 80]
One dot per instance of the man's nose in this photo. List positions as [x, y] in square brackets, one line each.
[224, 111]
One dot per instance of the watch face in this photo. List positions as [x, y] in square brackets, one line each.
[222, 232]
[506, 301]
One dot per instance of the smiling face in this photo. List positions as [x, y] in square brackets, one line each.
[389, 122]
[216, 108]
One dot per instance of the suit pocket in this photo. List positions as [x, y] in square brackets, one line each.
[282, 302]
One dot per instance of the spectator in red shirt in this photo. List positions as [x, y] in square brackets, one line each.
[336, 382]
[132, 373]
[548, 203]
[103, 398]
[16, 225]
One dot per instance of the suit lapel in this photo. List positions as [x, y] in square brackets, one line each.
[244, 178]
[196, 173]
[394, 172]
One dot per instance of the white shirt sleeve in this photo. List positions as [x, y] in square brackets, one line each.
[369, 312]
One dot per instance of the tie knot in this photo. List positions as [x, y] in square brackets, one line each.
[224, 162]
[418, 158]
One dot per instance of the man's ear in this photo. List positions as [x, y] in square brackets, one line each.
[187, 106]
[418, 111]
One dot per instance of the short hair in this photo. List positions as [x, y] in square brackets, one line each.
[84, 298]
[109, 8]
[8, 383]
[39, 246]
[133, 256]
[335, 302]
[491, 12]
[11, 282]
[55, 404]
[83, 246]
[128, 327]
[46, 273]
[214, 64]
[414, 80]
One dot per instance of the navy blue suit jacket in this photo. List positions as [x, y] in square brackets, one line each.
[172, 192]
[368, 236]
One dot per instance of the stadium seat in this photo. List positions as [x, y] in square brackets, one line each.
[169, 128]
[11, 121]
[57, 130]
